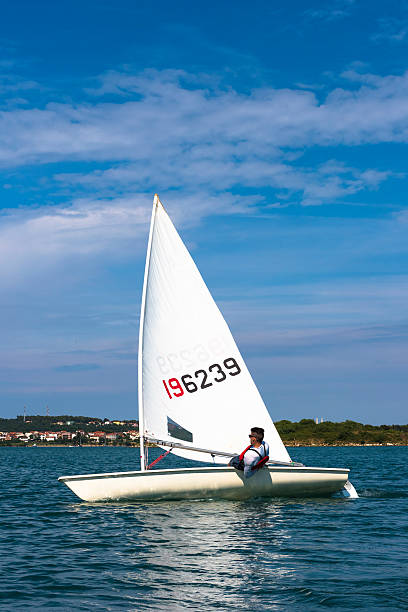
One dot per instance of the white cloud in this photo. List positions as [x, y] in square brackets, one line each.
[391, 29]
[402, 216]
[168, 133]
[167, 129]
[336, 9]
[34, 241]
[31, 241]
[325, 183]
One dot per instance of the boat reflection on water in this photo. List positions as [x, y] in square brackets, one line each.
[203, 551]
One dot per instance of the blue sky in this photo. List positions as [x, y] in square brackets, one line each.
[276, 137]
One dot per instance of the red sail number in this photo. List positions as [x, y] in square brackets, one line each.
[175, 386]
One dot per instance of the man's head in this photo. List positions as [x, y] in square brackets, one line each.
[257, 433]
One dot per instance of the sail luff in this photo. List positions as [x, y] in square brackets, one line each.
[156, 202]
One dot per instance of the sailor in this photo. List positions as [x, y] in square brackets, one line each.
[254, 456]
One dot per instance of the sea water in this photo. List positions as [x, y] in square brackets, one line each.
[59, 553]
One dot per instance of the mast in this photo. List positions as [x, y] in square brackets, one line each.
[156, 202]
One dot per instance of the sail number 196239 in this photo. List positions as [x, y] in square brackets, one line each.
[202, 379]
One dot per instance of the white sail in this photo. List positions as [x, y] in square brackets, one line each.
[195, 386]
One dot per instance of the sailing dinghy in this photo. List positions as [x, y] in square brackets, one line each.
[196, 396]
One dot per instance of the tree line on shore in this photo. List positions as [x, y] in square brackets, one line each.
[65, 422]
[307, 431]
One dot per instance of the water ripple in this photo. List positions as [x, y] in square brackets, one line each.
[299, 554]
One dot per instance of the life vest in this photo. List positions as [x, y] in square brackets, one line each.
[258, 464]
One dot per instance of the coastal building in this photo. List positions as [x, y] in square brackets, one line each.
[96, 436]
[132, 435]
[111, 437]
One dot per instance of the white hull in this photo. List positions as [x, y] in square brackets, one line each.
[207, 483]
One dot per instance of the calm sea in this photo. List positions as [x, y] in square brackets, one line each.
[59, 553]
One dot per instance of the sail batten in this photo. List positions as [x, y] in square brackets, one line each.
[194, 386]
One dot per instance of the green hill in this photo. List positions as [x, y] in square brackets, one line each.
[307, 432]
[64, 422]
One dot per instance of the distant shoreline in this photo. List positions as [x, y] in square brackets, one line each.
[66, 430]
[288, 445]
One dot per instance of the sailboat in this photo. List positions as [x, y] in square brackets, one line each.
[196, 396]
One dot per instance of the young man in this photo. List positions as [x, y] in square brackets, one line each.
[257, 451]
[254, 456]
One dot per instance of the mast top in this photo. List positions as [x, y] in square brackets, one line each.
[157, 202]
